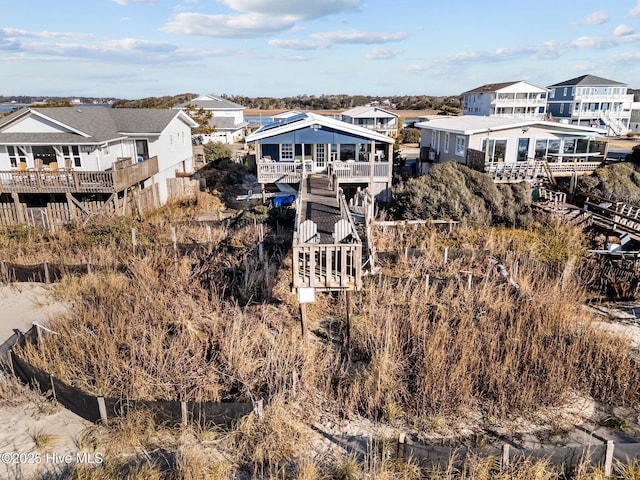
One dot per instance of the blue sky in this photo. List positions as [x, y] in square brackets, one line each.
[141, 48]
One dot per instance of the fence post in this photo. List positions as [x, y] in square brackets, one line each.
[47, 279]
[103, 409]
[53, 388]
[3, 272]
[505, 455]
[401, 442]
[133, 240]
[446, 254]
[38, 333]
[469, 281]
[426, 284]
[258, 408]
[174, 239]
[88, 267]
[209, 237]
[608, 459]
[185, 417]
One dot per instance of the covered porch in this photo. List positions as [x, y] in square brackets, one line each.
[316, 144]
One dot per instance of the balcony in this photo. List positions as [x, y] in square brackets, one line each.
[345, 172]
[122, 175]
[626, 98]
[352, 172]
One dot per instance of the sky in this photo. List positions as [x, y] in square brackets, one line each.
[276, 48]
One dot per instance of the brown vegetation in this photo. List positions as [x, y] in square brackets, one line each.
[219, 324]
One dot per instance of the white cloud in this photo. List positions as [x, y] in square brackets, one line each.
[383, 53]
[255, 18]
[127, 2]
[635, 12]
[244, 25]
[297, 44]
[15, 32]
[358, 36]
[622, 30]
[323, 40]
[550, 49]
[595, 18]
[295, 8]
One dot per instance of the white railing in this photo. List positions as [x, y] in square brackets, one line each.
[274, 172]
[360, 171]
[570, 167]
[625, 98]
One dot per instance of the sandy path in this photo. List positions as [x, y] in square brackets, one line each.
[24, 414]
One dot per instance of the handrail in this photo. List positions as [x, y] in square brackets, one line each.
[345, 212]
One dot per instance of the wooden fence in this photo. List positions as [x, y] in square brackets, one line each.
[182, 187]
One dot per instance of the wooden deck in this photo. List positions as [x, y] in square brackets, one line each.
[327, 250]
[123, 175]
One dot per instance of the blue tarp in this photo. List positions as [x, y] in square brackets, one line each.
[283, 200]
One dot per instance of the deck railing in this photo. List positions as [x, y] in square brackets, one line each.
[360, 171]
[63, 181]
[278, 172]
[332, 266]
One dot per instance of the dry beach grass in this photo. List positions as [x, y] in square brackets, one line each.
[419, 356]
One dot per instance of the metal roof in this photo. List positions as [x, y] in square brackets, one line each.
[366, 112]
[472, 124]
[305, 120]
[211, 102]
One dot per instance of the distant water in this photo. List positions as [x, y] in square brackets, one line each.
[7, 107]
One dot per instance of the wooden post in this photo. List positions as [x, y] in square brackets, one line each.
[53, 388]
[103, 409]
[608, 459]
[258, 408]
[209, 236]
[174, 240]
[22, 218]
[469, 281]
[185, 417]
[88, 267]
[446, 254]
[401, 443]
[303, 320]
[3, 272]
[348, 301]
[426, 284]
[47, 278]
[505, 455]
[260, 252]
[134, 243]
[38, 334]
[294, 380]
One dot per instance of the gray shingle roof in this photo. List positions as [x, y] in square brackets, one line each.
[98, 123]
[587, 80]
[490, 87]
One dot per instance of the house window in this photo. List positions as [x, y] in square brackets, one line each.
[495, 150]
[16, 155]
[71, 154]
[562, 108]
[286, 151]
[545, 147]
[461, 145]
[446, 142]
[552, 93]
[564, 93]
[142, 150]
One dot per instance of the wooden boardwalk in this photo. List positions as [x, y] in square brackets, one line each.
[327, 251]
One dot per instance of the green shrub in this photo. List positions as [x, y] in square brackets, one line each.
[454, 191]
[619, 182]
